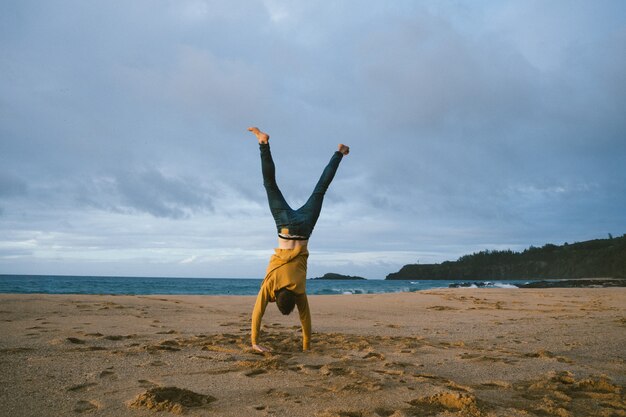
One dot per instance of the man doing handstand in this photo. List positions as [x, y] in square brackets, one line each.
[285, 278]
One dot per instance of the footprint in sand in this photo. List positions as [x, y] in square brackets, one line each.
[166, 345]
[168, 332]
[384, 412]
[374, 355]
[81, 387]
[546, 354]
[144, 383]
[119, 337]
[495, 385]
[334, 370]
[255, 372]
[307, 368]
[83, 406]
[107, 373]
[330, 413]
[441, 308]
[278, 394]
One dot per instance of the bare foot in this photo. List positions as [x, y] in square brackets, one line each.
[262, 137]
[344, 149]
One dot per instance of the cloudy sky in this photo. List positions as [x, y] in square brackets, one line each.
[472, 124]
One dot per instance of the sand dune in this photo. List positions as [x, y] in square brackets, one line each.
[458, 352]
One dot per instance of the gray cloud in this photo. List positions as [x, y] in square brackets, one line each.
[123, 142]
[11, 185]
[152, 192]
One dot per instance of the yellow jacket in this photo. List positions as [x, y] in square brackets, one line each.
[287, 269]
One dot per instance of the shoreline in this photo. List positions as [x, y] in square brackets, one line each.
[12, 284]
[480, 352]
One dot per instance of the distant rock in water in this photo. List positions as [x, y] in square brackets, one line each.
[467, 284]
[331, 275]
[597, 258]
[576, 283]
[556, 283]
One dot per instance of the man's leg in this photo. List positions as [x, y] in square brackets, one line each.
[278, 205]
[312, 208]
[274, 196]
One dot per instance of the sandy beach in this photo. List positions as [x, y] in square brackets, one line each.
[456, 352]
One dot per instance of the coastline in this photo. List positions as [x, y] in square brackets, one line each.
[44, 284]
[480, 352]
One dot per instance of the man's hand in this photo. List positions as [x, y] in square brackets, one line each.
[260, 348]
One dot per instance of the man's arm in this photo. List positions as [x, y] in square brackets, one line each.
[305, 318]
[257, 314]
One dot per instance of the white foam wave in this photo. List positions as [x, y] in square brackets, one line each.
[503, 285]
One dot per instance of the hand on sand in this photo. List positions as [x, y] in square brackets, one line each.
[260, 348]
[261, 136]
[344, 149]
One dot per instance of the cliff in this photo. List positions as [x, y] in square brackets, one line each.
[599, 258]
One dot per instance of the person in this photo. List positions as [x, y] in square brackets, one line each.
[285, 278]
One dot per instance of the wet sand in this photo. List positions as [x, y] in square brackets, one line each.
[456, 352]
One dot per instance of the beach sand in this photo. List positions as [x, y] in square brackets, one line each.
[456, 352]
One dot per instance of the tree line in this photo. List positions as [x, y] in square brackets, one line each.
[598, 258]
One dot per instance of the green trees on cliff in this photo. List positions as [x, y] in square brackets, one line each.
[600, 258]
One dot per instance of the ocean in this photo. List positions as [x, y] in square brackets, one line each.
[57, 284]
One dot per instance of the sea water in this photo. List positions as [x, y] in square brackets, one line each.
[57, 284]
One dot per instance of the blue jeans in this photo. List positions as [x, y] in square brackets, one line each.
[302, 221]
